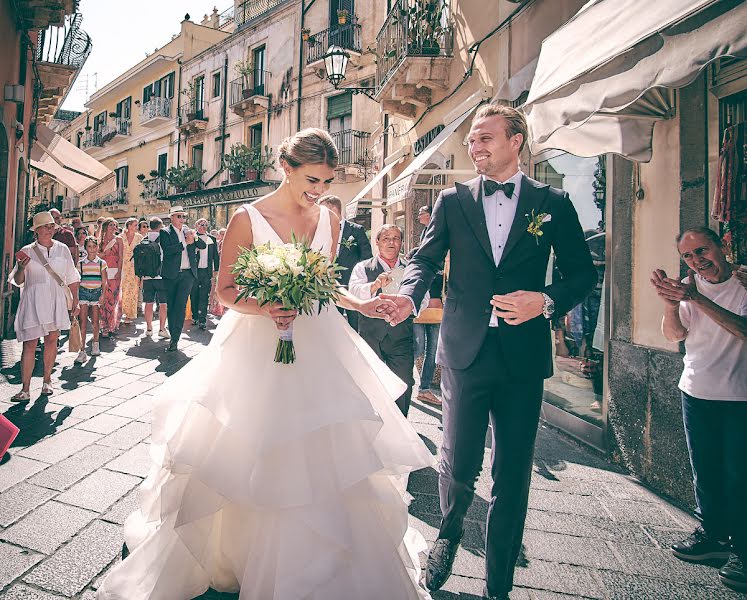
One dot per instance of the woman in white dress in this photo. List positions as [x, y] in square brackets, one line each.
[42, 310]
[281, 481]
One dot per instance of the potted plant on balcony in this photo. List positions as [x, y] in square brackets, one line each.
[342, 16]
[189, 94]
[245, 70]
[184, 178]
[153, 173]
[262, 161]
[238, 161]
[425, 26]
[141, 177]
[305, 34]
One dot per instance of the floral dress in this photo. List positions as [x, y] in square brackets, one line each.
[130, 281]
[111, 307]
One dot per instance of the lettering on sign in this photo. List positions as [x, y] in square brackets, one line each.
[224, 197]
[425, 140]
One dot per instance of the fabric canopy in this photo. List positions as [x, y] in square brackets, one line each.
[603, 79]
[351, 208]
[65, 163]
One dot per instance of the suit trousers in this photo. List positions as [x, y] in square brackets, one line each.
[398, 356]
[200, 295]
[471, 397]
[177, 292]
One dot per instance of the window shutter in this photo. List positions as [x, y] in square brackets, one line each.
[339, 106]
[147, 90]
[171, 85]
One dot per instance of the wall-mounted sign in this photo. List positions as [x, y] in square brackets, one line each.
[425, 140]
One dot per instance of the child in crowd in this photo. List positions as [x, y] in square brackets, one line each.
[92, 284]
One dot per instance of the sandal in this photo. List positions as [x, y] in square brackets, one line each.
[21, 397]
[47, 389]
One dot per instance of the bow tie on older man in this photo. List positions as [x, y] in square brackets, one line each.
[490, 187]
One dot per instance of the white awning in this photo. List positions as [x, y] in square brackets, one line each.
[65, 163]
[517, 84]
[399, 188]
[351, 208]
[599, 79]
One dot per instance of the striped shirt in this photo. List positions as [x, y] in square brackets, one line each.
[90, 273]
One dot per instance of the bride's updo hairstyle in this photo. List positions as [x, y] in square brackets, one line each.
[309, 147]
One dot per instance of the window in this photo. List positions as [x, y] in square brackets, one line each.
[99, 121]
[78, 138]
[197, 157]
[124, 108]
[216, 84]
[163, 160]
[255, 137]
[163, 88]
[340, 124]
[258, 62]
[122, 174]
[199, 95]
[334, 6]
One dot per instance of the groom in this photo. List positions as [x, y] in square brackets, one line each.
[495, 345]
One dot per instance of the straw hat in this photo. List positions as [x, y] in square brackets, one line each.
[177, 210]
[41, 219]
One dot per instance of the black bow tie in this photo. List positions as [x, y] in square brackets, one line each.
[490, 187]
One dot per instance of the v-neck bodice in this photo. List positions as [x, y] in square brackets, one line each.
[263, 232]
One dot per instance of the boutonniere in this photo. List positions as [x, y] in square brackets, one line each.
[535, 224]
[349, 243]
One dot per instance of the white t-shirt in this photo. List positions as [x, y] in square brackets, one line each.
[715, 360]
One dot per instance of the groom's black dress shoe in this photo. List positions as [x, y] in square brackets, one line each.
[487, 596]
[171, 347]
[440, 561]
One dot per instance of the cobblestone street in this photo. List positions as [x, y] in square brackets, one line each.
[70, 480]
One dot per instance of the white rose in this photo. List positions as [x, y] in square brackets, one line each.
[296, 270]
[269, 263]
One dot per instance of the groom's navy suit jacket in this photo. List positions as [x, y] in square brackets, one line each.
[458, 225]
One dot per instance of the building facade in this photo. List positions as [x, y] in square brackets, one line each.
[43, 47]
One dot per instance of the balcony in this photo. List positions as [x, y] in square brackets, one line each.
[192, 117]
[248, 94]
[414, 54]
[153, 189]
[93, 139]
[37, 14]
[116, 202]
[155, 112]
[250, 10]
[60, 53]
[355, 158]
[70, 207]
[346, 36]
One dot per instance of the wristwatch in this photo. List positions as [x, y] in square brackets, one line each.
[549, 307]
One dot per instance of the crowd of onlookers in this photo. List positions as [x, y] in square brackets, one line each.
[109, 274]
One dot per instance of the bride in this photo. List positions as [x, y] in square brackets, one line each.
[280, 481]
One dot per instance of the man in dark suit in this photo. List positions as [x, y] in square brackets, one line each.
[393, 345]
[208, 262]
[178, 270]
[495, 345]
[352, 247]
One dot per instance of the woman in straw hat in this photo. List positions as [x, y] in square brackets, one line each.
[41, 270]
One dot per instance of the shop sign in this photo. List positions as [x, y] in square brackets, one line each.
[223, 196]
[425, 140]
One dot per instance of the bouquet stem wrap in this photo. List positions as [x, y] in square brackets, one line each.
[285, 352]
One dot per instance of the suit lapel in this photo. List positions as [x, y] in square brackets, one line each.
[530, 199]
[470, 199]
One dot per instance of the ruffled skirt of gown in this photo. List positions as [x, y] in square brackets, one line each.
[283, 481]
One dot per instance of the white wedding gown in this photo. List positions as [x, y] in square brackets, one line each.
[282, 481]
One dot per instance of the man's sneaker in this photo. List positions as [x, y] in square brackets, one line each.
[164, 334]
[95, 350]
[698, 547]
[733, 575]
[148, 332]
[81, 358]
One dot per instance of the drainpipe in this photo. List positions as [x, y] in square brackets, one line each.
[178, 113]
[225, 108]
[304, 10]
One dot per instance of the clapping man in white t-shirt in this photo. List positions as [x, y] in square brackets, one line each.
[708, 311]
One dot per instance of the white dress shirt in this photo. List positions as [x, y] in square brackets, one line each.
[360, 286]
[203, 262]
[185, 256]
[499, 216]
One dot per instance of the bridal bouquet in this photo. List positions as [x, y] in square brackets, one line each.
[293, 275]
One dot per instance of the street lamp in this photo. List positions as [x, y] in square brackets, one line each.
[336, 63]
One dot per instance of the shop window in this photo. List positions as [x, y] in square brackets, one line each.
[578, 336]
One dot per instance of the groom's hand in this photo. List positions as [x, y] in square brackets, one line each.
[400, 309]
[518, 307]
[377, 307]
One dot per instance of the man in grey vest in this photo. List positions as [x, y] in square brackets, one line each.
[393, 345]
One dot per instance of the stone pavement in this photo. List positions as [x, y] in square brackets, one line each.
[70, 480]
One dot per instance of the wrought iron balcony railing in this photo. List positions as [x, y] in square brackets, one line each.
[121, 126]
[111, 201]
[248, 10]
[66, 45]
[93, 139]
[253, 84]
[351, 145]
[412, 28]
[156, 107]
[157, 187]
[192, 110]
[346, 36]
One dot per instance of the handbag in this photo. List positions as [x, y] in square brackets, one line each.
[75, 339]
[8, 432]
[429, 316]
[56, 277]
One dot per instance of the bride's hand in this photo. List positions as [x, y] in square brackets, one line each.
[282, 317]
[377, 307]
